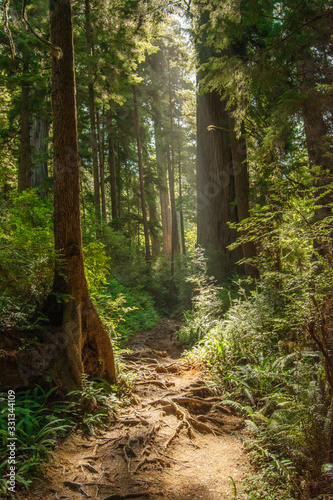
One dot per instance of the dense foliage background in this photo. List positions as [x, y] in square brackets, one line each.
[210, 200]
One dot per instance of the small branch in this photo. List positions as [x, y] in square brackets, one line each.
[56, 51]
[7, 29]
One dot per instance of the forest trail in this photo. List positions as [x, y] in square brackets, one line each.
[172, 442]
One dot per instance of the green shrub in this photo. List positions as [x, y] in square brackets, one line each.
[26, 258]
[124, 311]
[272, 373]
[40, 421]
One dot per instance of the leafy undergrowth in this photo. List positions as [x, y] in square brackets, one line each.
[124, 312]
[41, 419]
[273, 373]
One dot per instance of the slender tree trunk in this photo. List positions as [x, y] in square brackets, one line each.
[155, 241]
[163, 191]
[83, 343]
[241, 176]
[91, 105]
[118, 180]
[39, 137]
[100, 133]
[175, 246]
[181, 217]
[142, 188]
[113, 178]
[24, 171]
[83, 206]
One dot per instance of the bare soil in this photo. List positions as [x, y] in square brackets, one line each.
[172, 441]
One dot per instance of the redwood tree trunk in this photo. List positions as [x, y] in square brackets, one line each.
[85, 344]
[91, 105]
[163, 191]
[142, 187]
[24, 171]
[215, 186]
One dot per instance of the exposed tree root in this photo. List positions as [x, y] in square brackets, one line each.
[154, 460]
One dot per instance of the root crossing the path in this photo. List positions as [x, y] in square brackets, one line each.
[175, 440]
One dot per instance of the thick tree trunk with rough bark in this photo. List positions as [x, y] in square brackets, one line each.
[24, 170]
[85, 346]
[215, 186]
[141, 178]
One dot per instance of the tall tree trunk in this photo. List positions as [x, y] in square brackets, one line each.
[175, 246]
[24, 171]
[142, 188]
[100, 133]
[241, 176]
[83, 343]
[155, 241]
[181, 217]
[215, 186]
[91, 105]
[163, 191]
[113, 178]
[319, 152]
[118, 180]
[39, 137]
[316, 133]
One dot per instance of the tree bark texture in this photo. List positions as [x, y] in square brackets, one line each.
[215, 186]
[39, 144]
[141, 177]
[86, 345]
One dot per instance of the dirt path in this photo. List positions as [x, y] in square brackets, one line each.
[174, 443]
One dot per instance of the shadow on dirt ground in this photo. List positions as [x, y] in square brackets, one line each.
[175, 441]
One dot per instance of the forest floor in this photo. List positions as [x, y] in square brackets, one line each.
[172, 442]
